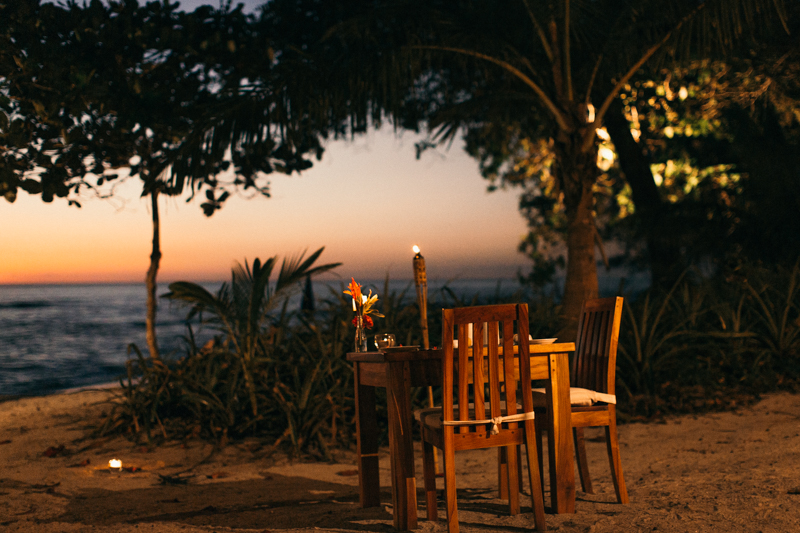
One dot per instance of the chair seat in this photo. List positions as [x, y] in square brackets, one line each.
[432, 416]
[577, 397]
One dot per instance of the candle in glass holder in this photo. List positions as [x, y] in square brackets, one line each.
[115, 465]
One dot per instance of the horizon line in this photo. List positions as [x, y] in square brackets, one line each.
[321, 279]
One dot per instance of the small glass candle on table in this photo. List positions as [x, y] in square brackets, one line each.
[385, 340]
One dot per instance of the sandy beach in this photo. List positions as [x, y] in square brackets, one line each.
[733, 471]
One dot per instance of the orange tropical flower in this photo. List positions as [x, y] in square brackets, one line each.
[354, 290]
[362, 303]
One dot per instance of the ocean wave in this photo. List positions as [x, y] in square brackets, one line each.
[26, 305]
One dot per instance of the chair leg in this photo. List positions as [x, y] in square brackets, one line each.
[450, 482]
[583, 463]
[502, 474]
[539, 429]
[513, 480]
[534, 454]
[612, 444]
[429, 474]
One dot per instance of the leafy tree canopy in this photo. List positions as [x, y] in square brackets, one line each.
[89, 88]
[523, 73]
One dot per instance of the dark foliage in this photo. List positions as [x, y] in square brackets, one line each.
[704, 345]
[710, 344]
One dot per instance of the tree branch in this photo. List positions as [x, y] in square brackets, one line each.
[589, 136]
[539, 31]
[546, 101]
[567, 59]
[591, 79]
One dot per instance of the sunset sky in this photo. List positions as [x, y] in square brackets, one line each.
[366, 201]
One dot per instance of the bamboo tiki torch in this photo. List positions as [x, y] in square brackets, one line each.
[421, 282]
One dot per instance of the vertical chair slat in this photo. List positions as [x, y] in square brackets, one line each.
[594, 349]
[463, 376]
[509, 363]
[478, 380]
[524, 357]
[582, 350]
[586, 349]
[447, 364]
[612, 347]
[600, 384]
[577, 360]
[597, 356]
[494, 371]
[597, 349]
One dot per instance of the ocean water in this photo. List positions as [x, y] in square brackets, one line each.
[58, 337]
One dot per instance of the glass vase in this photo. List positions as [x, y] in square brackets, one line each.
[361, 336]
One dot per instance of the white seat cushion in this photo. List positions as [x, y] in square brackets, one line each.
[577, 397]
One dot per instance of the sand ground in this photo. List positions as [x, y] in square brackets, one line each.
[736, 471]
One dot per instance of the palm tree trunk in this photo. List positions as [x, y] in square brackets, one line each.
[150, 280]
[581, 280]
[577, 172]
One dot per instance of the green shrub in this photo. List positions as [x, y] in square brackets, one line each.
[710, 343]
[227, 388]
[281, 375]
[652, 339]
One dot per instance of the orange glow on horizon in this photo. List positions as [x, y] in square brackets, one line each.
[400, 199]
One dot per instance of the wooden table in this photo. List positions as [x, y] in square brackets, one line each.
[398, 371]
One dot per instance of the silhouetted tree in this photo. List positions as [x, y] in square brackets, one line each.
[99, 87]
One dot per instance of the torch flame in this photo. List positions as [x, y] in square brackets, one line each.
[416, 249]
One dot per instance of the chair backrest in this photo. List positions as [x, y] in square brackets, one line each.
[595, 362]
[465, 368]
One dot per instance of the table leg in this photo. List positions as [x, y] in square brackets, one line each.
[404, 484]
[366, 443]
[559, 434]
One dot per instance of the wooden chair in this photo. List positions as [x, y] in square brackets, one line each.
[462, 422]
[592, 393]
